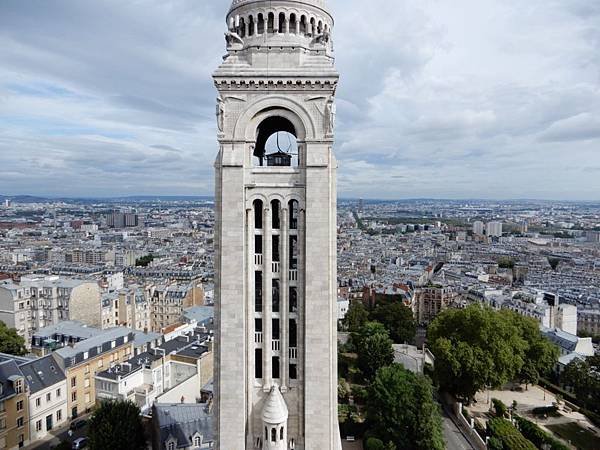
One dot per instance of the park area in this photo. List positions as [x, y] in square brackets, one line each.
[537, 417]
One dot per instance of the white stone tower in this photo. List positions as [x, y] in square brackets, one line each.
[276, 278]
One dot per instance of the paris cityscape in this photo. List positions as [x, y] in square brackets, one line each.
[146, 265]
[299, 225]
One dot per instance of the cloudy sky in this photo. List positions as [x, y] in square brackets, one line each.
[438, 98]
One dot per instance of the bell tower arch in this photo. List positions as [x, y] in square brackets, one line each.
[275, 238]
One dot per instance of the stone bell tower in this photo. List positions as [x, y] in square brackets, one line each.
[276, 279]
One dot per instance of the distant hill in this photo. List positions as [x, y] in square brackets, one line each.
[125, 199]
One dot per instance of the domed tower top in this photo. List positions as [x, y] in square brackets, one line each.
[279, 23]
[318, 3]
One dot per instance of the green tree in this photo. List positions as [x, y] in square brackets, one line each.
[398, 319]
[11, 342]
[374, 348]
[540, 355]
[475, 347]
[377, 444]
[116, 425]
[584, 377]
[144, 261]
[506, 262]
[401, 410]
[508, 435]
[356, 316]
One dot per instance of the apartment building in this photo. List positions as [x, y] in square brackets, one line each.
[40, 301]
[174, 371]
[14, 426]
[588, 321]
[167, 302]
[83, 360]
[429, 301]
[128, 307]
[47, 396]
[85, 256]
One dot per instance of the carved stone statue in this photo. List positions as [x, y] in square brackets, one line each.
[330, 113]
[323, 38]
[231, 37]
[220, 111]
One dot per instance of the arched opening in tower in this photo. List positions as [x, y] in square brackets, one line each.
[276, 143]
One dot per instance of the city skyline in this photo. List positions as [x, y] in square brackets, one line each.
[486, 100]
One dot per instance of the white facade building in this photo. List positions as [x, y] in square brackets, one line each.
[276, 283]
[40, 301]
[566, 318]
[478, 228]
[494, 229]
[47, 396]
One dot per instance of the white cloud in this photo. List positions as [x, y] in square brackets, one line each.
[469, 98]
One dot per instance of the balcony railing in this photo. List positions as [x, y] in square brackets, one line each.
[258, 259]
[258, 337]
[276, 345]
[276, 267]
[293, 352]
[293, 275]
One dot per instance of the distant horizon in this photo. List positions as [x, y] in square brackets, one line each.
[341, 197]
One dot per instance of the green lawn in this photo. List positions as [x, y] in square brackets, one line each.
[579, 437]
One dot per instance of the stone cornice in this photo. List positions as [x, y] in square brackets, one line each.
[286, 84]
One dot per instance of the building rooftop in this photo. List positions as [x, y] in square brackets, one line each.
[201, 314]
[8, 371]
[91, 345]
[72, 328]
[42, 373]
[180, 421]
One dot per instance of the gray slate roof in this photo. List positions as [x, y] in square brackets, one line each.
[42, 373]
[68, 328]
[74, 355]
[183, 421]
[8, 370]
[201, 314]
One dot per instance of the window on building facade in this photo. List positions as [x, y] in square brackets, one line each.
[48, 396]
[258, 363]
[59, 415]
[20, 405]
[58, 392]
[73, 381]
[38, 425]
[20, 422]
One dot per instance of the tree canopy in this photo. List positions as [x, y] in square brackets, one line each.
[116, 425]
[374, 348]
[401, 410]
[477, 347]
[583, 375]
[356, 316]
[398, 319]
[144, 261]
[11, 342]
[540, 354]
